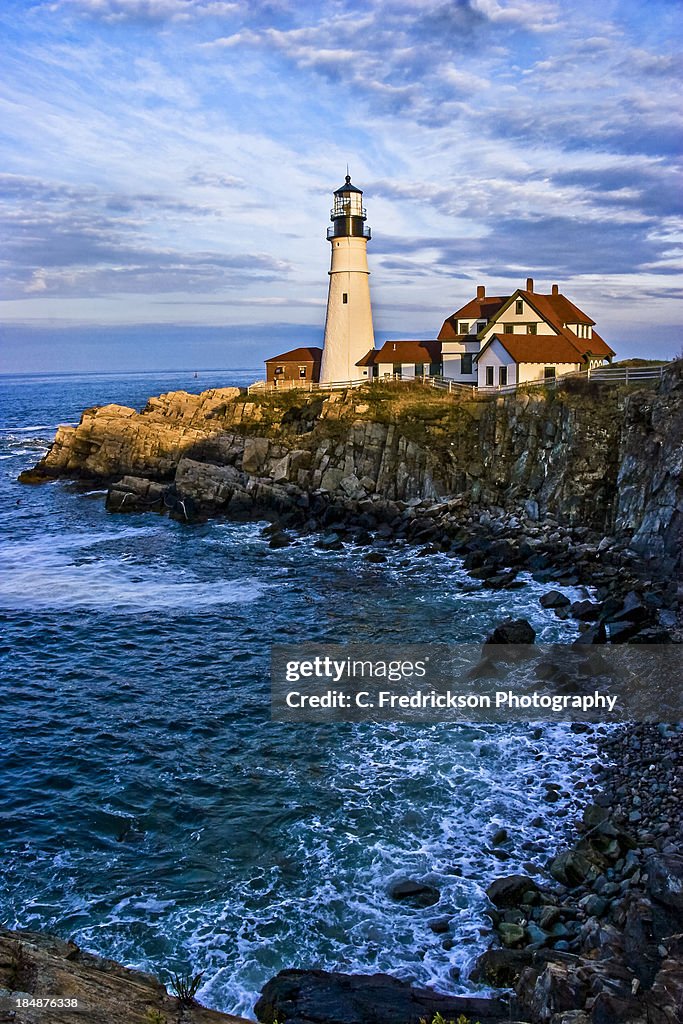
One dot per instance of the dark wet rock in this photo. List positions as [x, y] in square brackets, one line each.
[632, 609]
[440, 925]
[511, 890]
[665, 879]
[326, 997]
[512, 631]
[586, 611]
[593, 635]
[501, 967]
[572, 868]
[375, 556]
[330, 542]
[554, 599]
[279, 539]
[420, 894]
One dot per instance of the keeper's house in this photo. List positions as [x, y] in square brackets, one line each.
[300, 364]
[493, 341]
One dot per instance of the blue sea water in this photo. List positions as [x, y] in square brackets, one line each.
[149, 808]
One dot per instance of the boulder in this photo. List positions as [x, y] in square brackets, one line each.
[329, 997]
[571, 868]
[255, 454]
[511, 890]
[512, 631]
[586, 611]
[421, 894]
[665, 880]
[554, 599]
[501, 968]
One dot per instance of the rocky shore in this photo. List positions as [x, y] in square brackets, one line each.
[570, 487]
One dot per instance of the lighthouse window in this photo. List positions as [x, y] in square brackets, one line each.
[345, 297]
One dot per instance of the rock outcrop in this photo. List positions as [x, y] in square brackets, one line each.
[85, 988]
[588, 455]
[329, 997]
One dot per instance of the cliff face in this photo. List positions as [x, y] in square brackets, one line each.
[589, 455]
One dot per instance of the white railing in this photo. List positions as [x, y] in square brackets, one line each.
[303, 385]
[600, 374]
[443, 383]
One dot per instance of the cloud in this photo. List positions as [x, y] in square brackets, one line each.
[151, 12]
[492, 137]
[62, 240]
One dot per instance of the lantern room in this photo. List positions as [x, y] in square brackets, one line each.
[348, 213]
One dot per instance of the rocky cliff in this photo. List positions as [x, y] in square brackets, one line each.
[44, 978]
[587, 454]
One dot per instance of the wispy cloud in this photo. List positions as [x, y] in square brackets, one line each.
[184, 151]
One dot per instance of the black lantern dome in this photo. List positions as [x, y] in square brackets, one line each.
[348, 214]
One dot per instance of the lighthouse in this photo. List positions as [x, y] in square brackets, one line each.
[348, 324]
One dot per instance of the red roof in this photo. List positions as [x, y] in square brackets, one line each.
[297, 355]
[557, 309]
[564, 347]
[403, 352]
[536, 348]
[475, 309]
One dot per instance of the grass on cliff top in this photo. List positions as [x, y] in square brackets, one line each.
[420, 412]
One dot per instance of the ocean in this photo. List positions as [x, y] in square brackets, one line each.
[151, 811]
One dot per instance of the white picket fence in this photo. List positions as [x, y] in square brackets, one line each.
[443, 383]
[600, 374]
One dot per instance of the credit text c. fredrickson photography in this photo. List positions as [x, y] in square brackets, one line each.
[341, 468]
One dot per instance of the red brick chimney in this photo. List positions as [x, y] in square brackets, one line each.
[529, 284]
[556, 289]
[481, 291]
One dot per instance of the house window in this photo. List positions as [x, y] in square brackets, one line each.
[397, 369]
[549, 373]
[508, 328]
[519, 307]
[481, 325]
[531, 328]
[302, 371]
[279, 369]
[419, 369]
[345, 297]
[464, 327]
[489, 376]
[502, 375]
[435, 369]
[466, 363]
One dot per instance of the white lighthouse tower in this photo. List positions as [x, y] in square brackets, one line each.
[348, 325]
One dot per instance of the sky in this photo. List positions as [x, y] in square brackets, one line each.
[168, 169]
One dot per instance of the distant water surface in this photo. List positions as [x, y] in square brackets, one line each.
[148, 807]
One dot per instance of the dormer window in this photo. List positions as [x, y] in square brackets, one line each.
[464, 327]
[481, 325]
